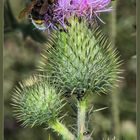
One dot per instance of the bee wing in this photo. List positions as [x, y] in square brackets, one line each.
[23, 13]
[44, 7]
[27, 10]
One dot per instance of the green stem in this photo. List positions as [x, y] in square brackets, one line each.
[62, 130]
[82, 106]
[115, 95]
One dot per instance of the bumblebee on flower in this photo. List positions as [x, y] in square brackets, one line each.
[49, 14]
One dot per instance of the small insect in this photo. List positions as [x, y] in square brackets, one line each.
[67, 95]
[80, 95]
[86, 133]
[36, 10]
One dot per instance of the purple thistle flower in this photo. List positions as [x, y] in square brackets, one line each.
[62, 10]
[81, 8]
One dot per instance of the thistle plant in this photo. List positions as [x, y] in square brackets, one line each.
[82, 63]
[77, 63]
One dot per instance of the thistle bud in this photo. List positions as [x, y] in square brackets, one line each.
[82, 60]
[36, 104]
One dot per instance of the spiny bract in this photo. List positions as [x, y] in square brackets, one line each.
[81, 59]
[36, 104]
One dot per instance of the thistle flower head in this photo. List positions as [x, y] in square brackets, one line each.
[62, 10]
[36, 104]
[81, 60]
[81, 8]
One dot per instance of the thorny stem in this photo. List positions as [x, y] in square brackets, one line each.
[62, 130]
[82, 106]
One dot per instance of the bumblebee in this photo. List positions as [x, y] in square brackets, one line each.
[36, 11]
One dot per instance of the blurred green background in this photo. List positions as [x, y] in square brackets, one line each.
[22, 48]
